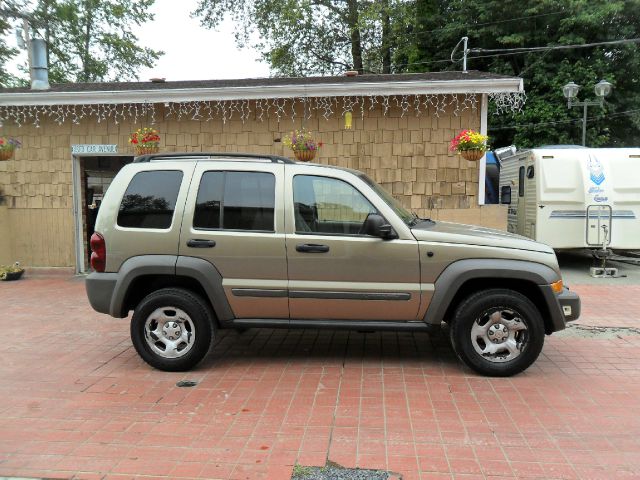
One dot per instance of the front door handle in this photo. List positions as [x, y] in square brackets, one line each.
[312, 248]
[197, 243]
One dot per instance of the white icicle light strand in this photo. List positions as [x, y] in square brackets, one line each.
[261, 109]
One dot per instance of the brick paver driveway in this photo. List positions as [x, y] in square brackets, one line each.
[77, 402]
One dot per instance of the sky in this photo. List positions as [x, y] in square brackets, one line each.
[191, 51]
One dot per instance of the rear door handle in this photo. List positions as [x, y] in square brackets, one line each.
[312, 248]
[197, 243]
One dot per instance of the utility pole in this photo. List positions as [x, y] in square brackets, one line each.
[27, 36]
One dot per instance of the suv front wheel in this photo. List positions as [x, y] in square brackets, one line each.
[172, 329]
[497, 332]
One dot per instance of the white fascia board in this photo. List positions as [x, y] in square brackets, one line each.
[503, 85]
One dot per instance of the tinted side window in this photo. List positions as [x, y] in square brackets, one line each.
[328, 205]
[236, 201]
[521, 182]
[150, 199]
[209, 201]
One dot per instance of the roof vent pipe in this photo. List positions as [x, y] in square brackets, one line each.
[39, 67]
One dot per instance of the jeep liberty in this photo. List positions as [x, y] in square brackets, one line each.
[197, 242]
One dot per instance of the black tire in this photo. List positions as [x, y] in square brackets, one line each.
[479, 306]
[201, 322]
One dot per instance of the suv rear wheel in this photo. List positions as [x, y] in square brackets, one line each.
[172, 329]
[497, 332]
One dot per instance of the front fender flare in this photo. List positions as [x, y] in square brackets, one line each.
[456, 274]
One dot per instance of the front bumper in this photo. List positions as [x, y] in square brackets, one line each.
[570, 303]
[562, 307]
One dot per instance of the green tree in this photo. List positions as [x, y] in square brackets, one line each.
[6, 54]
[93, 40]
[311, 37]
[500, 24]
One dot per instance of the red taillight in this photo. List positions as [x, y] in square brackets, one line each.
[98, 252]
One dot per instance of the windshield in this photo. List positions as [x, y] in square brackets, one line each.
[406, 216]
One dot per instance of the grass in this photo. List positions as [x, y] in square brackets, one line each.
[301, 471]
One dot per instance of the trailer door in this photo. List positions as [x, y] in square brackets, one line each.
[599, 225]
[522, 202]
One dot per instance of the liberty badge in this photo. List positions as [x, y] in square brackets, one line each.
[596, 170]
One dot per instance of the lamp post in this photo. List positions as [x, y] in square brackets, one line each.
[570, 92]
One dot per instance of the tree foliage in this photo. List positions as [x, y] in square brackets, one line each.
[92, 40]
[307, 37]
[6, 53]
[312, 37]
[500, 24]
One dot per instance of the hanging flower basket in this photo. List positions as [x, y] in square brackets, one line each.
[303, 145]
[145, 140]
[470, 144]
[305, 155]
[140, 150]
[472, 155]
[8, 146]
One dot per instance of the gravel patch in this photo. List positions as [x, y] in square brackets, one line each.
[336, 472]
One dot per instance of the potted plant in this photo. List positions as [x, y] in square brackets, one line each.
[470, 144]
[11, 272]
[303, 144]
[8, 146]
[145, 140]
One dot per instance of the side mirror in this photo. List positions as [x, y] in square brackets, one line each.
[376, 226]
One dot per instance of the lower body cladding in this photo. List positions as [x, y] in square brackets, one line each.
[377, 325]
[359, 301]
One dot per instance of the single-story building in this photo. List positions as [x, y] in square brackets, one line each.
[75, 139]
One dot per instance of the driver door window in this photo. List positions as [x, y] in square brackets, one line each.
[328, 206]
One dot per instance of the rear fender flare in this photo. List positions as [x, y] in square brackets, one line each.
[200, 270]
[209, 277]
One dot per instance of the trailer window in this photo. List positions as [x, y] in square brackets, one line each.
[505, 195]
[521, 182]
[530, 171]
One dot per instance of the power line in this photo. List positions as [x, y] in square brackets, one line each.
[475, 25]
[554, 47]
[518, 51]
[404, 40]
[559, 122]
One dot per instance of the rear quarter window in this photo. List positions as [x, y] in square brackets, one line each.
[150, 199]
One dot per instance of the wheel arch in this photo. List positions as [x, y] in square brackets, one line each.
[462, 278]
[142, 275]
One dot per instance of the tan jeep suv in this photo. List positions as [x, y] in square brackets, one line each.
[193, 243]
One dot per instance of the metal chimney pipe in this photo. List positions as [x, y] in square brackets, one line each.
[39, 67]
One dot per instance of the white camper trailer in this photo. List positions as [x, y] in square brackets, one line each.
[574, 197]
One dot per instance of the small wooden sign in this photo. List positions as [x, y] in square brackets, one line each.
[86, 149]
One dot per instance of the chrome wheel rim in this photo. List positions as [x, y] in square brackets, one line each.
[169, 332]
[499, 335]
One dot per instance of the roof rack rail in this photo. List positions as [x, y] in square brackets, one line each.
[204, 155]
